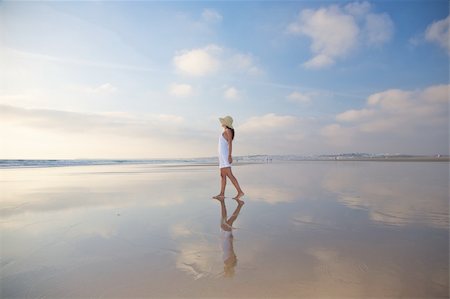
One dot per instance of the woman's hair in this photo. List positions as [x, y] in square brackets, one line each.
[232, 132]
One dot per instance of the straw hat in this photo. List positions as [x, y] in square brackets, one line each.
[227, 121]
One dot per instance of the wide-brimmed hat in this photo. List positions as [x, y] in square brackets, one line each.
[227, 121]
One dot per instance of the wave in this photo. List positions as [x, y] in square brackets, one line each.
[25, 163]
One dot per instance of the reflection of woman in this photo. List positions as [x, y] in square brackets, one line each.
[226, 227]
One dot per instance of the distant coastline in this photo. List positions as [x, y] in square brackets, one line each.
[378, 157]
[347, 157]
[395, 159]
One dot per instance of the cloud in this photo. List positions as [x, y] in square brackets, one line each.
[47, 133]
[273, 133]
[415, 40]
[353, 115]
[395, 116]
[298, 97]
[358, 9]
[333, 34]
[198, 62]
[392, 99]
[268, 122]
[438, 32]
[337, 135]
[436, 94]
[244, 63]
[212, 59]
[379, 28]
[231, 93]
[318, 62]
[211, 16]
[102, 89]
[69, 121]
[181, 90]
[336, 31]
[170, 118]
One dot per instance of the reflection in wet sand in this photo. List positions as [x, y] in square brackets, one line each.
[311, 230]
[226, 226]
[392, 196]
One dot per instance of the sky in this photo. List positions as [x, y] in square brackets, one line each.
[149, 79]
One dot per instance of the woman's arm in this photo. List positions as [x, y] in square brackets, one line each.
[230, 145]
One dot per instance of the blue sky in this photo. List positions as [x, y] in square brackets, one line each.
[149, 79]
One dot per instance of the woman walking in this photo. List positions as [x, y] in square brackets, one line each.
[226, 159]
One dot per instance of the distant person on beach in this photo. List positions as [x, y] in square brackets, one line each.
[226, 159]
[226, 227]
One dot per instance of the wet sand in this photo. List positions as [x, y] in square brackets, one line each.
[307, 229]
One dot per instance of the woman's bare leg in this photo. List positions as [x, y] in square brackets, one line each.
[223, 208]
[223, 183]
[235, 213]
[235, 183]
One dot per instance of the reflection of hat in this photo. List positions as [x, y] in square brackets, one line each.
[227, 121]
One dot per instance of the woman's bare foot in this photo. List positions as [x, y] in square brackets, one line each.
[219, 196]
[239, 201]
[239, 195]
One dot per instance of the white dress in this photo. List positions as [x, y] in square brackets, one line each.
[227, 244]
[227, 240]
[223, 152]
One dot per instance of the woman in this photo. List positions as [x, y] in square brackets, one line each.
[225, 157]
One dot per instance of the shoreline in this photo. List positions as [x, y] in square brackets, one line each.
[238, 162]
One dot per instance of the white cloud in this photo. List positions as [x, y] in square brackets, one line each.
[358, 9]
[181, 90]
[242, 61]
[333, 33]
[245, 63]
[273, 133]
[211, 16]
[49, 133]
[336, 31]
[103, 89]
[379, 28]
[438, 32]
[418, 118]
[68, 121]
[268, 122]
[353, 115]
[231, 93]
[212, 58]
[170, 118]
[392, 99]
[436, 93]
[413, 108]
[415, 40]
[318, 62]
[298, 97]
[337, 135]
[198, 62]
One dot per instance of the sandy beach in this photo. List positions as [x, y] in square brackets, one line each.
[314, 229]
